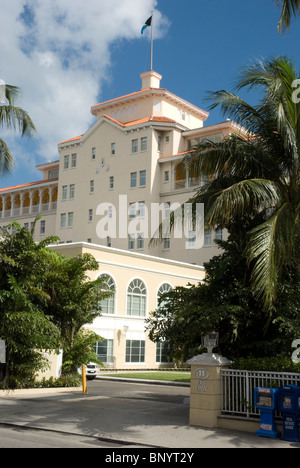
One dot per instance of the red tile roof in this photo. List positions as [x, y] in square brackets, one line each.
[71, 139]
[31, 184]
[152, 118]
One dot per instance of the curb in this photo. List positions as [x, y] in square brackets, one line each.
[39, 391]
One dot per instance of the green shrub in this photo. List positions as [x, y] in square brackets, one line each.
[69, 380]
[272, 364]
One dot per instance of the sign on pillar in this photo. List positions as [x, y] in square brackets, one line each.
[205, 397]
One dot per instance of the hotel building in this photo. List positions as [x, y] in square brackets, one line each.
[125, 166]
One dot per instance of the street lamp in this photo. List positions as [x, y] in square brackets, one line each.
[210, 341]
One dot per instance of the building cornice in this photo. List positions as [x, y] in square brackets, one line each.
[127, 253]
[150, 92]
[152, 121]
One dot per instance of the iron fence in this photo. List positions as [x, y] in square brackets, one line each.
[238, 389]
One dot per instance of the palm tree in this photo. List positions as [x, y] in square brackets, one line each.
[256, 175]
[289, 8]
[12, 117]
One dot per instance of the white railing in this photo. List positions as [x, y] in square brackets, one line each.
[238, 389]
[19, 212]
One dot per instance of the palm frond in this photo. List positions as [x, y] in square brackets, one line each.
[270, 247]
[290, 8]
[244, 197]
[6, 159]
[16, 117]
[235, 108]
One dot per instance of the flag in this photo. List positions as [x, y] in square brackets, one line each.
[147, 24]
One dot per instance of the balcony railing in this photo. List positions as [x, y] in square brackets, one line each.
[26, 211]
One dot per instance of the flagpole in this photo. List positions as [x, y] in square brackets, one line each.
[151, 60]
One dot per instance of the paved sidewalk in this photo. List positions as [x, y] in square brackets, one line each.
[130, 413]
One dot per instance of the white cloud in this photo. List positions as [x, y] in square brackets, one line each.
[58, 53]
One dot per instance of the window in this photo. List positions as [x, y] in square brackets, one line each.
[141, 209]
[70, 219]
[164, 289]
[144, 144]
[192, 240]
[135, 351]
[111, 182]
[74, 160]
[166, 243]
[136, 298]
[63, 220]
[43, 227]
[66, 162]
[65, 192]
[180, 176]
[163, 352]
[108, 304]
[26, 226]
[134, 146]
[142, 178]
[131, 242]
[140, 241]
[72, 192]
[53, 174]
[113, 149]
[90, 215]
[166, 176]
[105, 351]
[132, 210]
[108, 241]
[92, 186]
[93, 153]
[159, 140]
[133, 180]
[219, 234]
[207, 237]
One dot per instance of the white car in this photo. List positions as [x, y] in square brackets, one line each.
[90, 370]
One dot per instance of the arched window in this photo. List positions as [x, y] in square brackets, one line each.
[163, 289]
[180, 176]
[108, 304]
[136, 298]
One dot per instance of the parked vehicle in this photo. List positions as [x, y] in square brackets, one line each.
[91, 371]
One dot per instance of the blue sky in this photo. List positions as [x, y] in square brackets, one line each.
[66, 58]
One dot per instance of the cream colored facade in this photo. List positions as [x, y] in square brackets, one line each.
[128, 161]
[99, 197]
[122, 323]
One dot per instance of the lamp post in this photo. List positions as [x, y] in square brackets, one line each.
[210, 341]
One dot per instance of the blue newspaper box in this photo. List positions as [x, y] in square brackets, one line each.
[266, 400]
[289, 406]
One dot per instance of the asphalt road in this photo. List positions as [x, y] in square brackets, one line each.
[20, 437]
[114, 415]
[110, 412]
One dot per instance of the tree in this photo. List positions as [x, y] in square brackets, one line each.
[289, 8]
[225, 302]
[23, 324]
[46, 299]
[256, 176]
[12, 117]
[75, 301]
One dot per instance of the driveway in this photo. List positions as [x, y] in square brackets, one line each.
[126, 413]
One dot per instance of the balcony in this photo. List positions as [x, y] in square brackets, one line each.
[27, 211]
